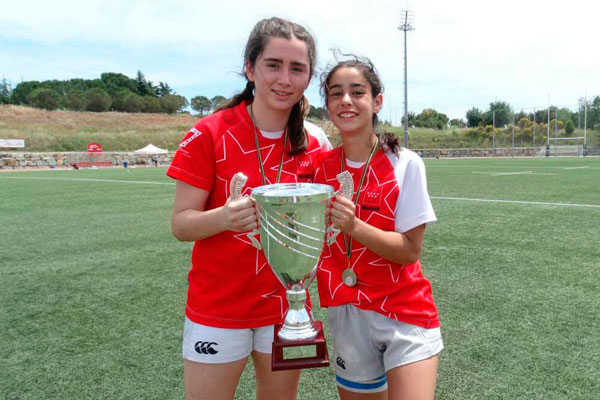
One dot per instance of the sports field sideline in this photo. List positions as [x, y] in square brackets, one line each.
[92, 284]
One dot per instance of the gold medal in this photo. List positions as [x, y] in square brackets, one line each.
[349, 277]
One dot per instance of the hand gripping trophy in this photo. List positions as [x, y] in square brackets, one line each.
[294, 226]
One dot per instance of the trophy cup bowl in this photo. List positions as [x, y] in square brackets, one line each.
[294, 226]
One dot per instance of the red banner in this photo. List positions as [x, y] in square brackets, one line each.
[94, 147]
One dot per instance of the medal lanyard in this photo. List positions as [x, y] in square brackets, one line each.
[260, 163]
[348, 242]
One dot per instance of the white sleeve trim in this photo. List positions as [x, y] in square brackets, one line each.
[413, 207]
[319, 134]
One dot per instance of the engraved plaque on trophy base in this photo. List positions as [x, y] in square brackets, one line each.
[321, 359]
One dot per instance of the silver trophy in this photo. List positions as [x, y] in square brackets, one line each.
[294, 225]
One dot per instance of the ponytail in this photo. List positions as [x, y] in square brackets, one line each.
[246, 95]
[295, 127]
[389, 141]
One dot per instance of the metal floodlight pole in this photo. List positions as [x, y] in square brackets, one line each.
[513, 133]
[534, 132]
[555, 124]
[548, 133]
[494, 132]
[585, 125]
[579, 118]
[408, 25]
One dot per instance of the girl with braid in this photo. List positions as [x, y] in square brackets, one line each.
[234, 299]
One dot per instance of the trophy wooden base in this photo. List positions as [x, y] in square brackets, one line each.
[278, 363]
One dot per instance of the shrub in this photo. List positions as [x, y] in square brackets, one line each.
[98, 100]
[133, 103]
[126, 101]
[150, 104]
[76, 100]
[171, 103]
[569, 127]
[45, 98]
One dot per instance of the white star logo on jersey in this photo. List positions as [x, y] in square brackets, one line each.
[243, 237]
[329, 272]
[376, 263]
[275, 168]
[271, 295]
[390, 191]
[363, 295]
[259, 265]
[385, 200]
[354, 260]
[241, 148]
[315, 150]
[370, 175]
[235, 150]
[331, 292]
[390, 314]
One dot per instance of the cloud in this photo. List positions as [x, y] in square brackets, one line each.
[461, 54]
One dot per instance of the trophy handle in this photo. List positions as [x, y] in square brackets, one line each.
[345, 180]
[235, 186]
[235, 192]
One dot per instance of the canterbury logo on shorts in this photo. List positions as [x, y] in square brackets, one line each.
[206, 347]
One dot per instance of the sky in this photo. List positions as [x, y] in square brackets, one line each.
[461, 54]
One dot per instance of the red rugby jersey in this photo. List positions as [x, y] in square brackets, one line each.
[230, 283]
[393, 198]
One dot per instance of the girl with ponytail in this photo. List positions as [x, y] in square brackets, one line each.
[233, 298]
[381, 311]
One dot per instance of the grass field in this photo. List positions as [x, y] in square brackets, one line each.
[92, 284]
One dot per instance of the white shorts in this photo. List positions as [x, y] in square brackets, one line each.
[367, 344]
[210, 345]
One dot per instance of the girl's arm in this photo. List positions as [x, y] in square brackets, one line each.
[190, 221]
[401, 248]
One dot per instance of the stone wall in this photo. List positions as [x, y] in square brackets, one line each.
[20, 160]
[499, 152]
[561, 151]
[23, 160]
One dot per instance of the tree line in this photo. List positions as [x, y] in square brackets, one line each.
[112, 92]
[117, 92]
[501, 114]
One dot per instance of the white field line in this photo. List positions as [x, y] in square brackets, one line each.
[87, 180]
[433, 197]
[539, 203]
[513, 166]
[512, 173]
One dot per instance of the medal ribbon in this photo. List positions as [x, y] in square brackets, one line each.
[260, 163]
[348, 242]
